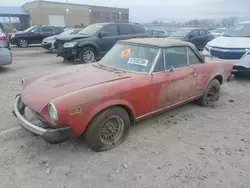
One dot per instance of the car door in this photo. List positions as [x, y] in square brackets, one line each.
[107, 38]
[35, 35]
[203, 38]
[125, 31]
[47, 31]
[202, 70]
[177, 83]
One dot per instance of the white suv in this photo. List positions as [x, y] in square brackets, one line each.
[233, 46]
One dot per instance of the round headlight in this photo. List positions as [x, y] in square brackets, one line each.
[53, 113]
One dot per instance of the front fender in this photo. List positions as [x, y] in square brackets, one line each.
[83, 44]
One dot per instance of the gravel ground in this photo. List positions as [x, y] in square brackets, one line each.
[187, 147]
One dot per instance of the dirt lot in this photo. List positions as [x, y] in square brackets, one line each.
[185, 148]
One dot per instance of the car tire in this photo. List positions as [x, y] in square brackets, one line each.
[23, 43]
[211, 94]
[108, 129]
[87, 55]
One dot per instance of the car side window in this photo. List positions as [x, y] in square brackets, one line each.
[175, 57]
[59, 30]
[48, 30]
[202, 33]
[159, 66]
[192, 57]
[125, 30]
[194, 33]
[37, 30]
[111, 30]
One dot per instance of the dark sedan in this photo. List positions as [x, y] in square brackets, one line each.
[199, 37]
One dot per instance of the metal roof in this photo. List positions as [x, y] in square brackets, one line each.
[5, 10]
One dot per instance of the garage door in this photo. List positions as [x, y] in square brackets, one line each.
[57, 20]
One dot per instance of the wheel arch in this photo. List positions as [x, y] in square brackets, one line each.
[219, 78]
[126, 106]
[91, 45]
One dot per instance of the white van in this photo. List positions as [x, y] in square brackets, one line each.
[233, 46]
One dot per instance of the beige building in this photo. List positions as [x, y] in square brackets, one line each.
[70, 15]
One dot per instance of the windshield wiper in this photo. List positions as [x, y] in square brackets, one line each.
[108, 68]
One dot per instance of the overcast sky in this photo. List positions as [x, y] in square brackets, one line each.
[168, 10]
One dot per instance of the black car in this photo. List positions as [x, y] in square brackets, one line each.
[199, 37]
[5, 50]
[95, 40]
[34, 35]
[157, 33]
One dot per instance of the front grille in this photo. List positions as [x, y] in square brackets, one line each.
[227, 54]
[58, 45]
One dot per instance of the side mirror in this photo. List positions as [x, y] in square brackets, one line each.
[31, 31]
[171, 69]
[102, 34]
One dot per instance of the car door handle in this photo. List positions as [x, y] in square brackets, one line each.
[192, 75]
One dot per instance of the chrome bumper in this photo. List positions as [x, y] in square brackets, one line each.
[50, 135]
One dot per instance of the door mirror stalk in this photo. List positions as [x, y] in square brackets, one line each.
[171, 69]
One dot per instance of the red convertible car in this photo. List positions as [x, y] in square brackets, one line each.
[136, 79]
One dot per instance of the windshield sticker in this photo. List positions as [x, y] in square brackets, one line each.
[138, 61]
[126, 53]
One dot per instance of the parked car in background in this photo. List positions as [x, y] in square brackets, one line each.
[5, 50]
[198, 37]
[157, 33]
[95, 40]
[136, 79]
[218, 32]
[48, 42]
[34, 35]
[233, 46]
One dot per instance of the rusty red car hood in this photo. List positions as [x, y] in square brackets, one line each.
[40, 92]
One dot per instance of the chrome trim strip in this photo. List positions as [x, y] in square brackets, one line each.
[162, 109]
[155, 61]
[226, 50]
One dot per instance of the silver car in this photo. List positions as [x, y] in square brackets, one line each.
[5, 50]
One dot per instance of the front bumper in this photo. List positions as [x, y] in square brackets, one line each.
[47, 46]
[50, 135]
[13, 41]
[67, 52]
[239, 65]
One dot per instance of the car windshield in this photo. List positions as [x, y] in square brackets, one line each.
[181, 33]
[67, 32]
[240, 30]
[130, 58]
[76, 31]
[29, 29]
[91, 29]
